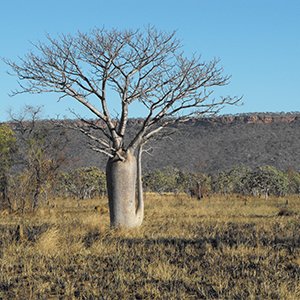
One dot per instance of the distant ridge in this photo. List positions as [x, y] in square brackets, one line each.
[249, 118]
[211, 144]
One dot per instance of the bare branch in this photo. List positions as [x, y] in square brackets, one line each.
[147, 66]
[101, 151]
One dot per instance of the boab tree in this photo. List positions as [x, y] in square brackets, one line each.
[104, 66]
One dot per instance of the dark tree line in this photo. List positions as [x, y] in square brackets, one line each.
[260, 181]
[84, 183]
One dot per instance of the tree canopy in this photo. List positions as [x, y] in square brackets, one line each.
[145, 66]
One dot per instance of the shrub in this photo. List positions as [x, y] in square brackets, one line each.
[265, 181]
[82, 183]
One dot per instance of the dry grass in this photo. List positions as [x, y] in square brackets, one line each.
[218, 248]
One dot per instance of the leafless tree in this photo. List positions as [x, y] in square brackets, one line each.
[104, 66]
[41, 153]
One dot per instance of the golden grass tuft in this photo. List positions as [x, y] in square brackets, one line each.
[49, 243]
[164, 271]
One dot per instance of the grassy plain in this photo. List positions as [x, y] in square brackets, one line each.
[217, 248]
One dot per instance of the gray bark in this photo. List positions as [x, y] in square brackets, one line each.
[122, 177]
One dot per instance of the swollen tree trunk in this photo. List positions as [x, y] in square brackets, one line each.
[122, 176]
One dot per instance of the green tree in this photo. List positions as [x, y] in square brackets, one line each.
[165, 180]
[194, 184]
[294, 181]
[235, 178]
[266, 181]
[221, 183]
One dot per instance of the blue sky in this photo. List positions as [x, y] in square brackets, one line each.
[258, 42]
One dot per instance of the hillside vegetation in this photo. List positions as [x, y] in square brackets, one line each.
[210, 145]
